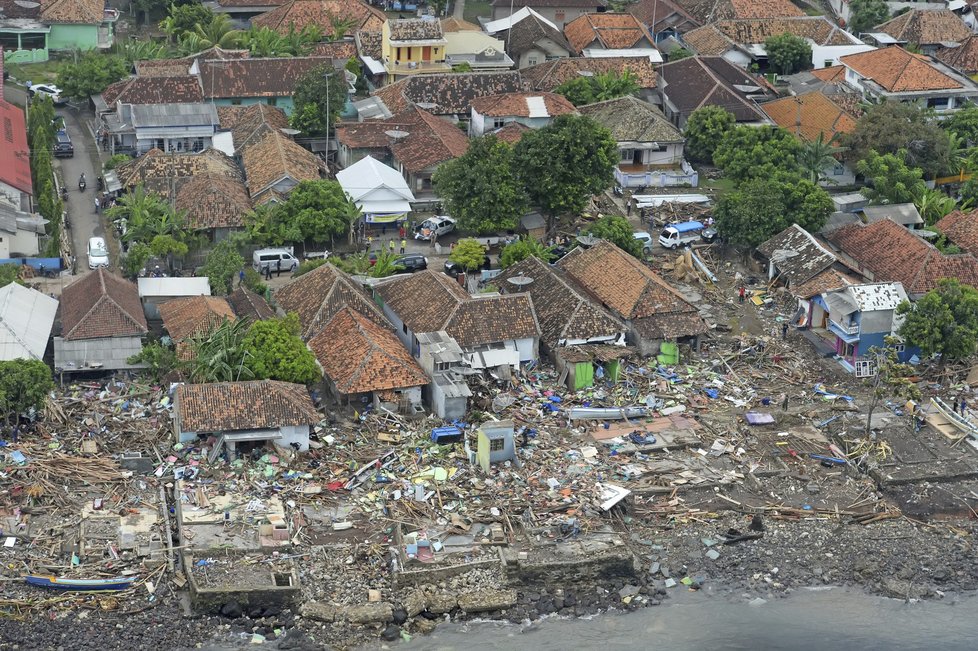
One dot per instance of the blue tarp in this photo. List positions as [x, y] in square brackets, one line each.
[49, 263]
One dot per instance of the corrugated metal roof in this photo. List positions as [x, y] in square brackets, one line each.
[26, 319]
[109, 353]
[173, 115]
[198, 286]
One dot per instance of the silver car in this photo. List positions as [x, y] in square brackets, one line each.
[98, 254]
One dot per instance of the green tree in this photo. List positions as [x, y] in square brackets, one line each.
[757, 153]
[523, 248]
[152, 222]
[679, 54]
[618, 231]
[217, 31]
[132, 51]
[964, 124]
[320, 86]
[354, 264]
[705, 129]
[252, 280]
[468, 254]
[219, 355]
[890, 127]
[24, 385]
[760, 208]
[384, 265]
[9, 273]
[866, 14]
[892, 378]
[578, 91]
[481, 188]
[788, 53]
[221, 267]
[308, 265]
[160, 359]
[115, 160]
[320, 210]
[816, 156]
[566, 163]
[601, 87]
[183, 18]
[943, 321]
[933, 204]
[893, 180]
[274, 351]
[93, 73]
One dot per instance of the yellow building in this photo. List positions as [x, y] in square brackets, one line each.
[413, 46]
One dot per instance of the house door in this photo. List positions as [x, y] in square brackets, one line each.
[637, 156]
[426, 53]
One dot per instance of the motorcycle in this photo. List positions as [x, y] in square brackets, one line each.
[64, 193]
[99, 184]
[81, 183]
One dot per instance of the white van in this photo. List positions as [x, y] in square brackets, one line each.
[675, 235]
[274, 259]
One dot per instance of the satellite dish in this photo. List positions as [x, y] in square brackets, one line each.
[396, 135]
[26, 4]
[520, 281]
[290, 132]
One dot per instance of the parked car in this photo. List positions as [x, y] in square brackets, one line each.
[411, 262]
[47, 90]
[453, 269]
[646, 239]
[62, 145]
[434, 226]
[685, 233]
[98, 254]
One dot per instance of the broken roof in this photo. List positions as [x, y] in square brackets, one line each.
[195, 315]
[428, 301]
[101, 304]
[926, 27]
[249, 305]
[610, 31]
[896, 70]
[272, 157]
[961, 227]
[548, 75]
[26, 319]
[563, 311]
[892, 253]
[632, 291]
[318, 295]
[359, 356]
[632, 120]
[797, 254]
[809, 115]
[232, 406]
[871, 297]
[155, 90]
[447, 94]
[694, 82]
[324, 14]
[523, 105]
[962, 56]
[212, 201]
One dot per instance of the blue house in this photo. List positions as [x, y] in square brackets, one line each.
[861, 317]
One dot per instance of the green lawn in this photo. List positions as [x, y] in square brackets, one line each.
[476, 8]
[718, 185]
[36, 72]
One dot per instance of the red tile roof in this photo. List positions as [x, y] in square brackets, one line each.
[101, 305]
[831, 74]
[632, 291]
[212, 201]
[611, 31]
[430, 140]
[318, 295]
[548, 75]
[963, 57]
[891, 253]
[82, 12]
[249, 305]
[324, 14]
[512, 133]
[809, 115]
[154, 90]
[15, 159]
[926, 27]
[359, 356]
[255, 77]
[232, 406]
[897, 70]
[961, 228]
[522, 105]
[188, 317]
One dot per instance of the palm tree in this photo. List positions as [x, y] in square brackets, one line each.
[265, 42]
[340, 28]
[385, 266]
[933, 204]
[133, 51]
[217, 32]
[219, 354]
[816, 155]
[959, 156]
[138, 208]
[301, 43]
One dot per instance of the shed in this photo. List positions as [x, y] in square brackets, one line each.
[534, 225]
[153, 291]
[851, 202]
[26, 319]
[905, 214]
[495, 443]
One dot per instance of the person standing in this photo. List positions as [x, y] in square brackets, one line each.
[96, 205]
[278, 268]
[241, 276]
[742, 293]
[400, 231]
[784, 330]
[403, 245]
[268, 271]
[390, 245]
[964, 406]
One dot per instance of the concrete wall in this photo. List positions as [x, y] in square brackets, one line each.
[529, 349]
[18, 244]
[546, 50]
[284, 103]
[824, 53]
[598, 566]
[210, 600]
[69, 37]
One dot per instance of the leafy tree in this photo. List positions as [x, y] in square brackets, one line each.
[679, 54]
[817, 155]
[135, 259]
[969, 193]
[115, 160]
[566, 163]
[757, 153]
[866, 14]
[9, 273]
[24, 384]
[221, 267]
[385, 265]
[933, 204]
[160, 359]
[523, 248]
[217, 31]
[274, 351]
[219, 355]
[618, 231]
[314, 90]
[705, 128]
[788, 53]
[152, 223]
[266, 42]
[92, 74]
[252, 280]
[890, 127]
[308, 265]
[183, 18]
[468, 254]
[354, 264]
[944, 245]
[605, 86]
[893, 180]
[268, 225]
[964, 124]
[891, 378]
[761, 208]
[943, 321]
[133, 51]
[321, 210]
[481, 189]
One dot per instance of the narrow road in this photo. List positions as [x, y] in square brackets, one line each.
[80, 205]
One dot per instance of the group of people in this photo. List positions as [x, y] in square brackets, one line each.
[960, 405]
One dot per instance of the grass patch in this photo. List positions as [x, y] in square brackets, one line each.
[476, 8]
[718, 185]
[35, 72]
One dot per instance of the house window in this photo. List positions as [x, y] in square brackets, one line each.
[827, 63]
[273, 101]
[658, 148]
[531, 61]
[838, 169]
[498, 123]
[235, 102]
[404, 327]
[939, 103]
[496, 445]
[626, 155]
[443, 366]
[865, 368]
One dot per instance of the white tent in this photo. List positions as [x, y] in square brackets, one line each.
[26, 319]
[379, 191]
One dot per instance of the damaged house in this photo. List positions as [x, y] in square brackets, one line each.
[653, 311]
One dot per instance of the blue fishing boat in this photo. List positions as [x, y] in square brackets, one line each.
[82, 585]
